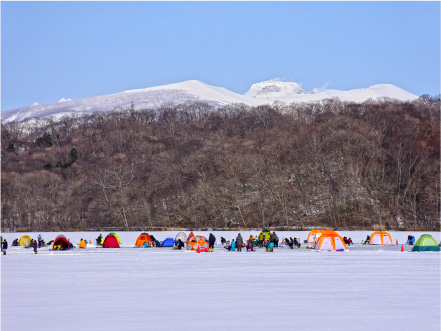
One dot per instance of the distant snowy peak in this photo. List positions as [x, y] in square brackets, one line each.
[64, 100]
[274, 89]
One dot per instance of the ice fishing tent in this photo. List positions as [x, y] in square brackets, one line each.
[144, 238]
[265, 233]
[110, 242]
[116, 236]
[380, 238]
[426, 243]
[60, 243]
[169, 242]
[24, 240]
[182, 236]
[196, 242]
[330, 241]
[314, 235]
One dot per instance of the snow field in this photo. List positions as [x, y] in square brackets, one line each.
[366, 288]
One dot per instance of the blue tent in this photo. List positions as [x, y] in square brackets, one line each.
[169, 242]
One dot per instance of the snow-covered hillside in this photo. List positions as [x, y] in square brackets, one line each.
[193, 90]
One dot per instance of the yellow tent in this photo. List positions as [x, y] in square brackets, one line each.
[24, 240]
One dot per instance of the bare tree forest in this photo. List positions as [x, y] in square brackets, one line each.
[321, 164]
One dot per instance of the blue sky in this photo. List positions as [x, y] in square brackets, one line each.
[54, 50]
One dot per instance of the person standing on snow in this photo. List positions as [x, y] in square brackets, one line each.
[291, 243]
[260, 238]
[35, 246]
[250, 244]
[211, 241]
[39, 240]
[4, 246]
[233, 246]
[276, 240]
[239, 242]
[271, 238]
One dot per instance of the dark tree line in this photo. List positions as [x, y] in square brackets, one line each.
[327, 164]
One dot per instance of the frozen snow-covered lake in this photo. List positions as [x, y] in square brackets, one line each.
[366, 288]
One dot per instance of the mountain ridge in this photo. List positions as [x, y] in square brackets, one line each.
[261, 93]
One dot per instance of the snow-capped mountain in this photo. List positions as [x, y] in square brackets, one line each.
[261, 93]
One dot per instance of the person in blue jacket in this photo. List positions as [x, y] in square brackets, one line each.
[4, 246]
[270, 247]
[35, 246]
[233, 246]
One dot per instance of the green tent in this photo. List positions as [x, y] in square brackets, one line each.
[426, 243]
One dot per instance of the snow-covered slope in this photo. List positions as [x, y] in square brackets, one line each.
[142, 98]
[193, 90]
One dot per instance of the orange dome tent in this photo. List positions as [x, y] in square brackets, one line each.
[380, 238]
[330, 241]
[144, 238]
[314, 234]
[196, 242]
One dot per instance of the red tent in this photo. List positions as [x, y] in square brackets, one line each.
[60, 243]
[110, 242]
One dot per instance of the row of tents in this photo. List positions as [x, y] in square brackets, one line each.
[323, 241]
[192, 242]
[331, 240]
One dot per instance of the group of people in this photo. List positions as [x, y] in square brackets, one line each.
[348, 241]
[239, 243]
[272, 238]
[292, 242]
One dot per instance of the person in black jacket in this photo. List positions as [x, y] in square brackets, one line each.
[4, 246]
[211, 241]
[180, 244]
[275, 240]
[223, 241]
[98, 240]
